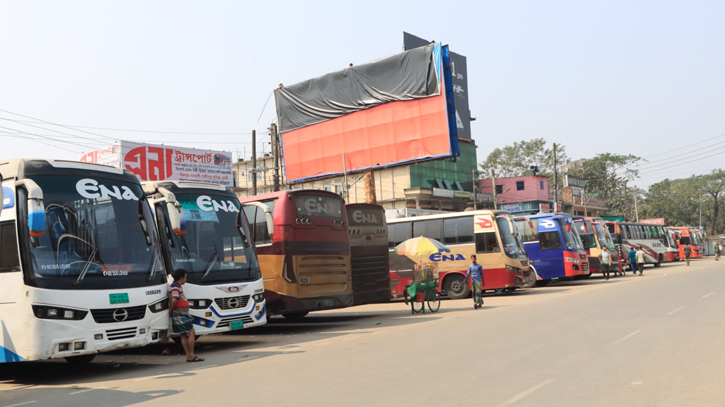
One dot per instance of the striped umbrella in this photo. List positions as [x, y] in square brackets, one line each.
[420, 246]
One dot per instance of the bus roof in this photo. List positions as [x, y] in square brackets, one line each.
[16, 167]
[272, 195]
[448, 215]
[547, 215]
[179, 186]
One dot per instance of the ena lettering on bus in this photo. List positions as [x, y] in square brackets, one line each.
[360, 217]
[312, 206]
[92, 189]
[206, 204]
[436, 257]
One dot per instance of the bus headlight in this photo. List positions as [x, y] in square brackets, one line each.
[159, 306]
[47, 312]
[199, 304]
[258, 297]
[512, 268]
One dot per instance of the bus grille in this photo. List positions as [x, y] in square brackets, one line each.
[123, 333]
[232, 302]
[369, 265]
[226, 321]
[112, 315]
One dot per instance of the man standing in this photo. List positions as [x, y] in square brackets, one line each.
[688, 252]
[475, 272]
[606, 262]
[717, 251]
[640, 260]
[181, 322]
[632, 257]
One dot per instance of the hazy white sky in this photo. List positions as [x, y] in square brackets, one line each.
[640, 77]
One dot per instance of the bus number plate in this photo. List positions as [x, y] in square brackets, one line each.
[118, 298]
[236, 325]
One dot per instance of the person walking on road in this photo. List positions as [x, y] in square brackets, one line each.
[606, 263]
[640, 260]
[688, 252]
[718, 249]
[181, 322]
[632, 257]
[475, 272]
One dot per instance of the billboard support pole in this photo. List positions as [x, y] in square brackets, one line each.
[275, 151]
[344, 172]
[556, 184]
[370, 187]
[254, 162]
[475, 192]
[495, 197]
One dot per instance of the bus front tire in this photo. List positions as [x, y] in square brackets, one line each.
[295, 315]
[542, 283]
[80, 360]
[456, 287]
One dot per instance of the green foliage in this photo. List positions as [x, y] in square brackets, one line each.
[514, 160]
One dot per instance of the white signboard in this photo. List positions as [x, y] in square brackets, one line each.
[157, 163]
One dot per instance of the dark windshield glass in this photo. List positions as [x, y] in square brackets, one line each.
[671, 240]
[603, 235]
[511, 242]
[99, 234]
[214, 249]
[586, 233]
[318, 205]
[571, 240]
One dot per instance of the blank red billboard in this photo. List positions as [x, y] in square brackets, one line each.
[388, 112]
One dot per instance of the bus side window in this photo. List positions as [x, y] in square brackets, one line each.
[258, 224]
[458, 230]
[487, 243]
[9, 260]
[428, 228]
[549, 240]
[398, 233]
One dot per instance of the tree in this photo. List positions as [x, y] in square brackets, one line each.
[608, 175]
[514, 160]
[713, 185]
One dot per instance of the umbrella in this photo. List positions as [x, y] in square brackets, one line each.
[420, 246]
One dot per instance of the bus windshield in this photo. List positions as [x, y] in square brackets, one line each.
[695, 238]
[571, 240]
[214, 249]
[586, 233]
[99, 234]
[671, 239]
[603, 234]
[511, 244]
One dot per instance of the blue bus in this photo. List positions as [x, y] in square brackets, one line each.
[554, 247]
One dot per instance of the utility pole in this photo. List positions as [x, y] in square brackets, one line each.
[275, 150]
[495, 197]
[556, 184]
[475, 192]
[254, 162]
[369, 182]
[344, 172]
[636, 210]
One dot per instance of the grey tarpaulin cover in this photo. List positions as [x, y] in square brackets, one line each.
[405, 76]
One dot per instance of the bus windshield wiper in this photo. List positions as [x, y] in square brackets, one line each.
[86, 266]
[211, 262]
[152, 271]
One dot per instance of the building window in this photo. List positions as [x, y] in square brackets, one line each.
[499, 189]
[519, 185]
[541, 184]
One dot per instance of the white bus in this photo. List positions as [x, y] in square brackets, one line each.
[80, 266]
[224, 283]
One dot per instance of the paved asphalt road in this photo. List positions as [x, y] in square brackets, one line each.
[656, 340]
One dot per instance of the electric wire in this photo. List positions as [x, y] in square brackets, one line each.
[686, 157]
[647, 164]
[49, 138]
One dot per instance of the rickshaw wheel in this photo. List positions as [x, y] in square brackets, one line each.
[434, 300]
[416, 307]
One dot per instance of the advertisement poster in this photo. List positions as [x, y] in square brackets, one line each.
[160, 162]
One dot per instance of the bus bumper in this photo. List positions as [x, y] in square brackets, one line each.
[279, 304]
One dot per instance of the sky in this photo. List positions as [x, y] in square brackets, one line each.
[626, 77]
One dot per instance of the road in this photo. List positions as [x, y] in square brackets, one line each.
[656, 340]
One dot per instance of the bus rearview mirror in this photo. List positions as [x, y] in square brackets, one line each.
[176, 218]
[36, 208]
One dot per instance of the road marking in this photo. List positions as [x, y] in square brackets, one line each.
[672, 312]
[707, 295]
[204, 367]
[323, 343]
[626, 337]
[375, 333]
[154, 377]
[22, 404]
[525, 393]
[86, 390]
[636, 383]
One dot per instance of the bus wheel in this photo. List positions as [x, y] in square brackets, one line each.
[456, 287]
[80, 360]
[657, 264]
[542, 283]
[295, 315]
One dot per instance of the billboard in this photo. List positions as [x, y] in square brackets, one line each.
[656, 221]
[159, 162]
[459, 80]
[391, 111]
[571, 181]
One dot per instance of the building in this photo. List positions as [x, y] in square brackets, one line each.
[519, 195]
[404, 190]
[575, 202]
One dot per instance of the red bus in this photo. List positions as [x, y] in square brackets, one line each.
[305, 262]
[491, 235]
[686, 236]
[369, 253]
